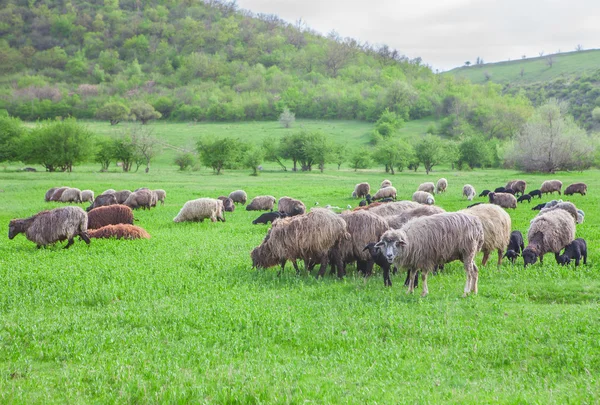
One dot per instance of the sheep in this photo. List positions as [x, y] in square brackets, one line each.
[469, 192]
[474, 205]
[58, 193]
[153, 198]
[518, 186]
[102, 201]
[428, 187]
[524, 197]
[363, 227]
[567, 206]
[387, 192]
[538, 207]
[535, 193]
[366, 201]
[119, 231]
[308, 237]
[574, 250]
[261, 203]
[423, 197]
[290, 206]
[379, 259]
[496, 229]
[397, 221]
[549, 232]
[425, 242]
[268, 217]
[200, 209]
[509, 191]
[110, 215]
[499, 190]
[504, 200]
[161, 195]
[139, 199]
[71, 195]
[385, 183]
[515, 246]
[580, 188]
[123, 195]
[49, 193]
[484, 193]
[48, 227]
[441, 186]
[239, 197]
[109, 191]
[228, 205]
[550, 186]
[361, 190]
[87, 196]
[393, 208]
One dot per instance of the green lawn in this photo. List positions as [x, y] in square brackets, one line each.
[183, 318]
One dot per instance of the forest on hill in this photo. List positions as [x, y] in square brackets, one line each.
[199, 60]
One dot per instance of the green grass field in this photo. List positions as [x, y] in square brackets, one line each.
[534, 69]
[183, 317]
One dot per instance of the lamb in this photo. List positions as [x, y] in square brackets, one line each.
[504, 200]
[423, 197]
[397, 221]
[469, 192]
[261, 203]
[361, 190]
[71, 195]
[200, 209]
[496, 229]
[228, 204]
[550, 186]
[87, 196]
[110, 215]
[385, 183]
[518, 186]
[524, 197]
[535, 193]
[123, 195]
[484, 193]
[290, 206]
[428, 187]
[574, 250]
[549, 232]
[49, 193]
[387, 192]
[580, 188]
[567, 206]
[393, 208]
[308, 237]
[379, 259]
[499, 190]
[268, 217]
[425, 242]
[515, 246]
[58, 193]
[139, 199]
[239, 197]
[442, 185]
[367, 201]
[161, 195]
[538, 207]
[48, 227]
[102, 200]
[119, 231]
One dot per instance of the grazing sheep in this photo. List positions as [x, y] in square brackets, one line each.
[261, 203]
[538, 207]
[509, 191]
[387, 192]
[379, 259]
[550, 186]
[524, 197]
[109, 191]
[102, 200]
[393, 208]
[71, 195]
[397, 221]
[567, 206]
[534, 193]
[161, 195]
[496, 229]
[442, 185]
[123, 195]
[119, 231]
[110, 215]
[308, 237]
[58, 193]
[228, 205]
[580, 188]
[574, 250]
[518, 186]
[428, 187]
[385, 183]
[515, 246]
[139, 199]
[426, 242]
[361, 190]
[48, 227]
[87, 196]
[49, 193]
[469, 192]
[239, 196]
[290, 206]
[423, 197]
[268, 217]
[200, 209]
[484, 193]
[499, 190]
[549, 232]
[504, 200]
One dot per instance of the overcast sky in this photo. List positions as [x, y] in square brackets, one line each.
[446, 33]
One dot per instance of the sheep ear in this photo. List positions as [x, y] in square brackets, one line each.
[366, 248]
[401, 242]
[379, 244]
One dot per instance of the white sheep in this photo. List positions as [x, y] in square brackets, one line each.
[200, 209]
[428, 187]
[423, 197]
[469, 192]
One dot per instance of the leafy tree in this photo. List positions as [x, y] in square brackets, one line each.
[114, 112]
[184, 160]
[144, 112]
[218, 153]
[287, 118]
[393, 153]
[316, 149]
[596, 114]
[429, 151]
[124, 151]
[292, 147]
[253, 157]
[360, 159]
[165, 106]
[474, 152]
[145, 146]
[339, 155]
[11, 132]
[105, 153]
[272, 152]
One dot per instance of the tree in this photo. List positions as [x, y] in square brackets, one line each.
[145, 146]
[474, 152]
[393, 153]
[338, 53]
[429, 151]
[596, 114]
[292, 147]
[388, 123]
[579, 48]
[339, 155]
[253, 157]
[360, 159]
[551, 141]
[273, 152]
[11, 133]
[184, 160]
[144, 112]
[287, 118]
[124, 151]
[114, 112]
[218, 153]
[317, 149]
[468, 63]
[105, 153]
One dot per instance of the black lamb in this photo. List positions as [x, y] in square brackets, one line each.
[515, 246]
[268, 217]
[537, 193]
[380, 259]
[524, 197]
[574, 250]
[484, 193]
[538, 207]
[500, 190]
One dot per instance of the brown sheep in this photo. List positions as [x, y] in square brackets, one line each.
[397, 221]
[580, 188]
[385, 183]
[387, 192]
[102, 200]
[119, 231]
[550, 186]
[49, 193]
[428, 187]
[261, 203]
[139, 199]
[549, 232]
[361, 190]
[505, 200]
[123, 195]
[58, 193]
[394, 208]
[290, 206]
[228, 204]
[110, 215]
[518, 186]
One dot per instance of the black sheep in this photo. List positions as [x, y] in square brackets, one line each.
[524, 197]
[509, 191]
[268, 217]
[484, 193]
[380, 259]
[500, 190]
[538, 207]
[515, 246]
[386, 200]
[472, 205]
[366, 201]
[574, 250]
[537, 193]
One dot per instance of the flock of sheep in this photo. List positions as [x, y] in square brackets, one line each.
[415, 235]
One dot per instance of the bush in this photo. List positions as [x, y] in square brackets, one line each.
[184, 160]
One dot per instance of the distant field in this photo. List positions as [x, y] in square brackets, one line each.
[183, 318]
[534, 69]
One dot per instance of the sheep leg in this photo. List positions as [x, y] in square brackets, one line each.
[295, 264]
[369, 266]
[387, 281]
[322, 266]
[474, 278]
[486, 256]
[499, 258]
[395, 270]
[71, 241]
[469, 264]
[415, 279]
[585, 257]
[364, 266]
[411, 282]
[282, 263]
[424, 280]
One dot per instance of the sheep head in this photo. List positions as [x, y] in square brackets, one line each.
[391, 244]
[262, 257]
[529, 256]
[563, 260]
[511, 255]
[14, 228]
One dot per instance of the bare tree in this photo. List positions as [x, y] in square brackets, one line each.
[541, 53]
[339, 52]
[145, 146]
[579, 48]
[550, 60]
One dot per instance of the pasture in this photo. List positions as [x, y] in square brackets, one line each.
[184, 318]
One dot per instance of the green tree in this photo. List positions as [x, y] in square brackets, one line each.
[393, 153]
[124, 151]
[388, 123]
[218, 153]
[360, 159]
[429, 150]
[596, 114]
[105, 153]
[287, 118]
[11, 133]
[114, 112]
[253, 157]
[184, 160]
[144, 112]
[273, 152]
[474, 152]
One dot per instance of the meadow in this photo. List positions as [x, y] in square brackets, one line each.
[184, 318]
